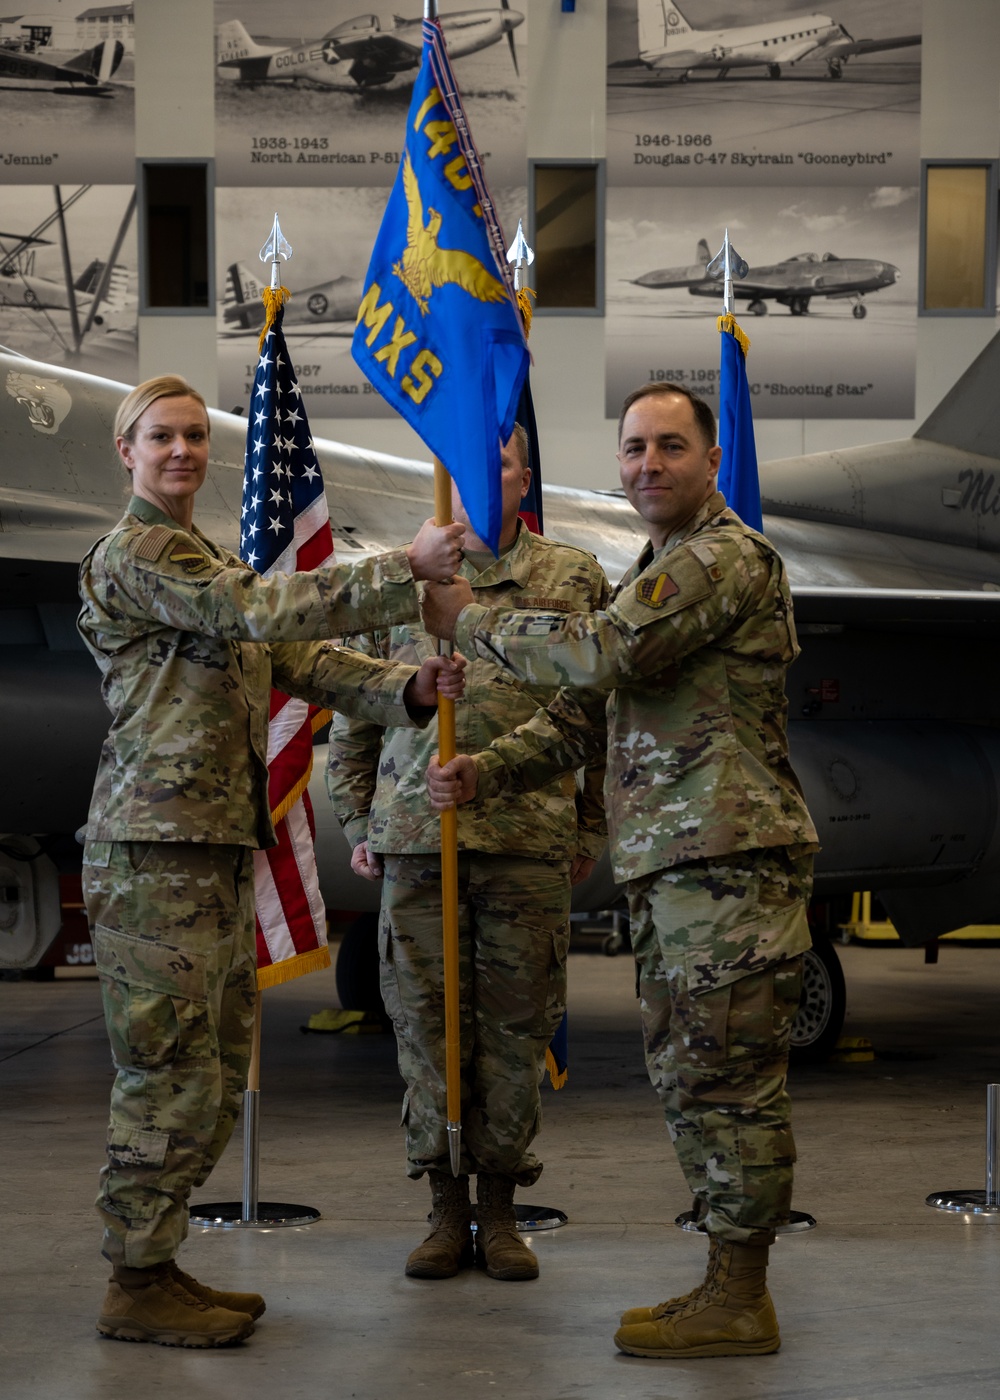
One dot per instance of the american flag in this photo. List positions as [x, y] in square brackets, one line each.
[285, 527]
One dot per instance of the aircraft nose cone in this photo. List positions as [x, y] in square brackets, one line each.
[511, 19]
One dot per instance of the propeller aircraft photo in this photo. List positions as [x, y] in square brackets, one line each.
[359, 50]
[669, 44]
[88, 72]
[329, 308]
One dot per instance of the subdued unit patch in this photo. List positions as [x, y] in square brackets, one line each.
[654, 592]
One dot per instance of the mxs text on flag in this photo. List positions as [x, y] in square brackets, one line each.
[438, 330]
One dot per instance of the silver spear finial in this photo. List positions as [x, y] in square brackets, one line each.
[520, 255]
[276, 248]
[727, 263]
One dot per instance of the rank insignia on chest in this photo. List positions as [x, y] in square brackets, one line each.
[192, 561]
[654, 592]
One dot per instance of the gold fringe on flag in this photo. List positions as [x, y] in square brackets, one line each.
[728, 323]
[524, 295]
[276, 973]
[557, 1076]
[274, 299]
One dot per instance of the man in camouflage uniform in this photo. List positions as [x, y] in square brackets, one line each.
[707, 826]
[516, 860]
[178, 628]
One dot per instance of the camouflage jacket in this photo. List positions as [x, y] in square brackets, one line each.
[376, 779]
[189, 641]
[693, 649]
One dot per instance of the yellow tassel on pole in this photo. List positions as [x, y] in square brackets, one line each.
[524, 295]
[728, 323]
[274, 299]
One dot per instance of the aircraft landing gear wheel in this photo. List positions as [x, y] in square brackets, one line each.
[773, 70]
[823, 1005]
[798, 306]
[834, 70]
[860, 312]
[759, 308]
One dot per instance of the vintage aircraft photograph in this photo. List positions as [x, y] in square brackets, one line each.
[314, 92]
[671, 118]
[893, 552]
[670, 45]
[87, 73]
[329, 308]
[792, 282]
[831, 336]
[360, 50]
[46, 306]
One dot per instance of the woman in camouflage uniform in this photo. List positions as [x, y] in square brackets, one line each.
[189, 641]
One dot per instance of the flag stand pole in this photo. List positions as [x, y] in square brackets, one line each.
[250, 1212]
[449, 880]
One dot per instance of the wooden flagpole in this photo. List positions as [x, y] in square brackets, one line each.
[449, 879]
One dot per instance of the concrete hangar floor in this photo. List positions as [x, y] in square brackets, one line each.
[885, 1299]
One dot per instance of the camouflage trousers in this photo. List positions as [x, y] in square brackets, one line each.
[718, 946]
[513, 941]
[173, 932]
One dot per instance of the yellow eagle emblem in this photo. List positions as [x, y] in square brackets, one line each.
[425, 266]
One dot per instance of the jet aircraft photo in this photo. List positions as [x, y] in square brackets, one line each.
[359, 50]
[670, 45]
[792, 283]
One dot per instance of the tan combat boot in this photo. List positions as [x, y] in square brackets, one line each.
[499, 1248]
[631, 1316]
[150, 1305]
[250, 1303]
[448, 1247]
[730, 1315]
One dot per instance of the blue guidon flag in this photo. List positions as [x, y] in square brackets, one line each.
[439, 333]
[738, 480]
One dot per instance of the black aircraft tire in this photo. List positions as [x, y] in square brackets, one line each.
[357, 967]
[773, 70]
[860, 312]
[823, 1006]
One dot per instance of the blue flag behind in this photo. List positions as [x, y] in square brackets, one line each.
[438, 332]
[738, 474]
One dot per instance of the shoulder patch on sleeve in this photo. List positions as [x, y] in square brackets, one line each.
[655, 589]
[151, 543]
[192, 561]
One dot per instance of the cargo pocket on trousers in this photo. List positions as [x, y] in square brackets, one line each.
[387, 975]
[764, 1146]
[154, 1000]
[131, 1149]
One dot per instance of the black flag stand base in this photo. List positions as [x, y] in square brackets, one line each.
[798, 1221]
[250, 1213]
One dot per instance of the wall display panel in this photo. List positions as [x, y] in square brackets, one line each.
[332, 233]
[750, 92]
[315, 92]
[69, 291]
[829, 303]
[67, 109]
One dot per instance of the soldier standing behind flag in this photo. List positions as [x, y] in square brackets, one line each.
[708, 828]
[517, 858]
[176, 625]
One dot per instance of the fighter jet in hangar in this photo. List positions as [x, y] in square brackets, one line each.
[894, 556]
[792, 283]
[360, 50]
[668, 44]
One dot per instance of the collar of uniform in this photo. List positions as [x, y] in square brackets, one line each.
[714, 506]
[150, 514]
[512, 567]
